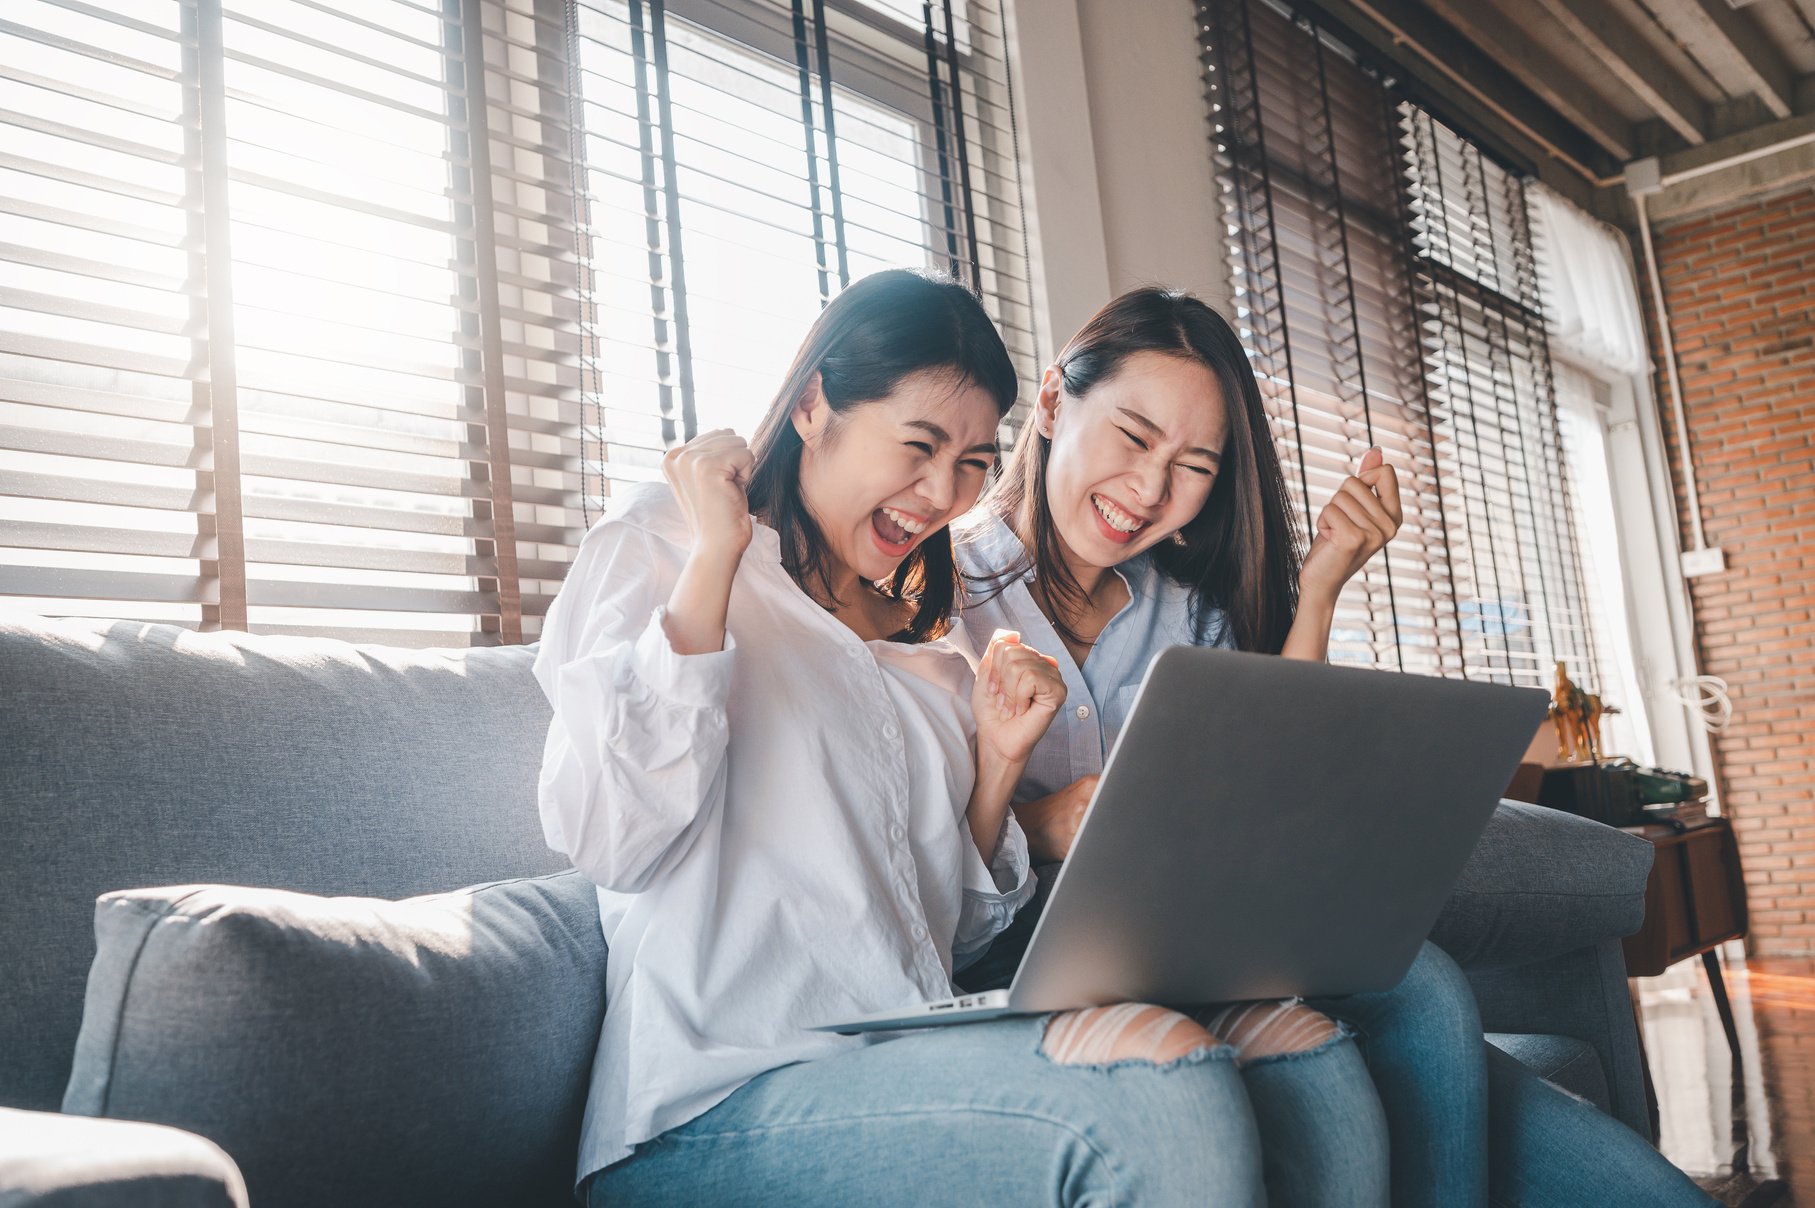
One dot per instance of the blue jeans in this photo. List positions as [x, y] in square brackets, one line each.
[1315, 1110]
[1471, 1125]
[1553, 1150]
[1422, 1042]
[1466, 1124]
[977, 1114]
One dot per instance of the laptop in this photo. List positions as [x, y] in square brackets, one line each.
[1264, 828]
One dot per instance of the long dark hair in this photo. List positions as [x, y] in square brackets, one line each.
[881, 330]
[1240, 552]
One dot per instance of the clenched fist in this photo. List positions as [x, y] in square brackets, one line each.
[1355, 525]
[1018, 692]
[710, 475]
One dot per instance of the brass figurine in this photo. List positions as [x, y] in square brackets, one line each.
[1577, 717]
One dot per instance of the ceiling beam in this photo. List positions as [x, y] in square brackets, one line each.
[1555, 84]
[1740, 58]
[1737, 168]
[1628, 58]
[1453, 77]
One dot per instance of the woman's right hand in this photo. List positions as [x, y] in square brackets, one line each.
[1017, 694]
[710, 475]
[1051, 822]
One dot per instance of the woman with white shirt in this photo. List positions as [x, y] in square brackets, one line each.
[793, 797]
[1144, 508]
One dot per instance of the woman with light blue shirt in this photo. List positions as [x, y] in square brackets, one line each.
[1145, 507]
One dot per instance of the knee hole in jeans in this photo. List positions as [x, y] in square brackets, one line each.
[1269, 1029]
[1125, 1032]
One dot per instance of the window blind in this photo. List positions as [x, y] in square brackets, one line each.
[107, 469]
[1386, 291]
[341, 318]
[742, 162]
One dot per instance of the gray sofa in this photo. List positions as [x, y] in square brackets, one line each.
[312, 1039]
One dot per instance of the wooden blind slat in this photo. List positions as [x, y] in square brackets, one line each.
[74, 584]
[396, 335]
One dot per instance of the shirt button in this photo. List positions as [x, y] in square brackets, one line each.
[919, 933]
[1083, 712]
[896, 832]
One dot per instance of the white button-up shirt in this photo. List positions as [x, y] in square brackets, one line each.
[777, 829]
[1100, 694]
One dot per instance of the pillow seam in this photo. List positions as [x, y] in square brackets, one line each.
[470, 890]
[132, 972]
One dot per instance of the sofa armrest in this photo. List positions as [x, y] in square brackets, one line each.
[1541, 883]
[1583, 995]
[49, 1160]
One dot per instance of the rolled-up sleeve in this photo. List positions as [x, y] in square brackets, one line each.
[633, 765]
[993, 892]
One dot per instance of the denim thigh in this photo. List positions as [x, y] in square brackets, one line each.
[1423, 1045]
[963, 1115]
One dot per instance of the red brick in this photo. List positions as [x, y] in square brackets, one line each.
[1741, 287]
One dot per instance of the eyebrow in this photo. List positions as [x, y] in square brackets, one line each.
[941, 436]
[1154, 428]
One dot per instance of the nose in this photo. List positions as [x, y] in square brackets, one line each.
[1150, 483]
[939, 487]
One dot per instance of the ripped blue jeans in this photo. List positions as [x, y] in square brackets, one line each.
[979, 1114]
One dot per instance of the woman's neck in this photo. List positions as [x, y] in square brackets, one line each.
[859, 607]
[1102, 594]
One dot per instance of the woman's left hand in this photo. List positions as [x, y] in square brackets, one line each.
[1354, 526]
[1018, 692]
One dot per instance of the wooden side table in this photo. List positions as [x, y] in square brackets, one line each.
[1695, 900]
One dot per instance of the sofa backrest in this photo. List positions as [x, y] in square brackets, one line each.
[136, 755]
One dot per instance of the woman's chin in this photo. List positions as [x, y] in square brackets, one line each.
[878, 568]
[1099, 551]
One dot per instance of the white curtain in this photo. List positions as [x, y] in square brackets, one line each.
[1587, 282]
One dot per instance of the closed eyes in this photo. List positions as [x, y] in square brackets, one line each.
[970, 463]
[1138, 443]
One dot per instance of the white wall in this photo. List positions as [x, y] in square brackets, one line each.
[1162, 211]
[1121, 187]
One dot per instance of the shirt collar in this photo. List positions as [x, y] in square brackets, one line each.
[765, 542]
[985, 545]
[1139, 574]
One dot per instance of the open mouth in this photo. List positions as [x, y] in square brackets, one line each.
[894, 530]
[1115, 522]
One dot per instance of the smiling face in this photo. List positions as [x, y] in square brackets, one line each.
[1133, 460]
[881, 477]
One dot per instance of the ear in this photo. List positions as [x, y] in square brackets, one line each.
[1046, 403]
[811, 410]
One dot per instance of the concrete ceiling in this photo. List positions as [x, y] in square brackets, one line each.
[1574, 90]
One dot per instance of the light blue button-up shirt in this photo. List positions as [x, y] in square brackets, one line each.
[1099, 695]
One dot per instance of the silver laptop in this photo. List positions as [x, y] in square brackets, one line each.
[1264, 828]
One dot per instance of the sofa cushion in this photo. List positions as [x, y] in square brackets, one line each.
[351, 1050]
[1540, 883]
[149, 755]
[55, 1161]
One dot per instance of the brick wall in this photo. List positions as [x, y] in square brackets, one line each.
[1740, 286]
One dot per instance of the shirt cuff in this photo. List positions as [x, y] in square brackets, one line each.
[993, 894]
[698, 681]
[1007, 879]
